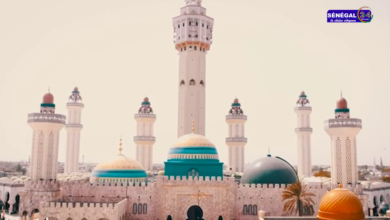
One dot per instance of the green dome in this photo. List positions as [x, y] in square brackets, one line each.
[269, 170]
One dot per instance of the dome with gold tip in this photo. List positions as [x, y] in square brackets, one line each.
[122, 169]
[193, 156]
[340, 204]
[193, 147]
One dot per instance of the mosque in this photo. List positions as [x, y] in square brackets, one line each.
[193, 184]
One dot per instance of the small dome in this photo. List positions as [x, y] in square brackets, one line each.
[48, 98]
[146, 99]
[120, 170]
[235, 100]
[269, 170]
[342, 104]
[303, 93]
[340, 204]
[76, 89]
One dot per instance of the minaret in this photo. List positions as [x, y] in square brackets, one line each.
[236, 140]
[73, 128]
[303, 131]
[145, 139]
[343, 131]
[46, 127]
[192, 37]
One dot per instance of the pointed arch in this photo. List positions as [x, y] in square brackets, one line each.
[182, 83]
[192, 82]
[201, 83]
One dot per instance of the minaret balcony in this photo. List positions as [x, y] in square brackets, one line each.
[144, 116]
[46, 117]
[303, 129]
[144, 138]
[236, 139]
[236, 117]
[302, 108]
[343, 123]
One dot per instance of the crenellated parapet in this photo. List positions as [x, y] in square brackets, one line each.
[80, 210]
[184, 180]
[77, 205]
[42, 185]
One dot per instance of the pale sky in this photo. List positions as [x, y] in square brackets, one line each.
[264, 53]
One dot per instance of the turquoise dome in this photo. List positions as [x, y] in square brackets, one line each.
[269, 170]
[193, 147]
[122, 169]
[193, 156]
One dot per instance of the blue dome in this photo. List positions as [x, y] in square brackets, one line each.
[193, 147]
[269, 170]
[120, 170]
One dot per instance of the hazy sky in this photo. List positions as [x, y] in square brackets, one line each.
[264, 53]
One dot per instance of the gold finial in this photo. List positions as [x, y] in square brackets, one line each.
[340, 185]
[49, 89]
[341, 93]
[193, 126]
[120, 145]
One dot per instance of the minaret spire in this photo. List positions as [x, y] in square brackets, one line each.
[303, 131]
[144, 138]
[342, 131]
[120, 145]
[73, 129]
[236, 139]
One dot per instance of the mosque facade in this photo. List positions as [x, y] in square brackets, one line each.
[193, 184]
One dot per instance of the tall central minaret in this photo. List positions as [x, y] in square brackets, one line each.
[192, 37]
[303, 131]
[343, 131]
[73, 128]
[46, 127]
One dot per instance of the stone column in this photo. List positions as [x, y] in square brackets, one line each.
[388, 213]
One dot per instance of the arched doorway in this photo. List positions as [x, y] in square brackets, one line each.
[15, 208]
[169, 217]
[6, 203]
[220, 218]
[195, 213]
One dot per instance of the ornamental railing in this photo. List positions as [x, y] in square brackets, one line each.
[236, 139]
[144, 138]
[236, 117]
[302, 108]
[142, 115]
[343, 122]
[46, 117]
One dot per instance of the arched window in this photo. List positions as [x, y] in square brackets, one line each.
[182, 83]
[201, 83]
[255, 210]
[139, 208]
[244, 210]
[192, 82]
[145, 208]
[134, 208]
[381, 199]
[195, 48]
[249, 209]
